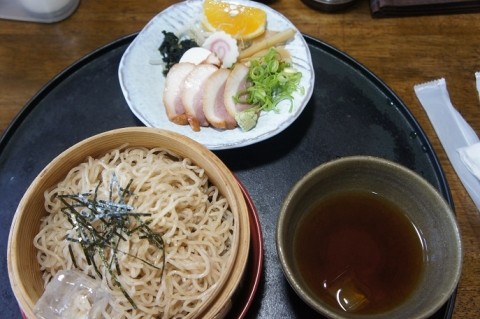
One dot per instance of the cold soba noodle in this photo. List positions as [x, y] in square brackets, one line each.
[181, 210]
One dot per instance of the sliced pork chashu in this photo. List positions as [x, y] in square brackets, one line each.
[236, 82]
[172, 93]
[214, 101]
[193, 91]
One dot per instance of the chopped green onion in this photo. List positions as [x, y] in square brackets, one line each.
[271, 80]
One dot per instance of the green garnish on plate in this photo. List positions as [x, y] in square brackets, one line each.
[270, 80]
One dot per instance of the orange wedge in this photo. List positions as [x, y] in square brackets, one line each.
[240, 21]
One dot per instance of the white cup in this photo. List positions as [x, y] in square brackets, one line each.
[49, 7]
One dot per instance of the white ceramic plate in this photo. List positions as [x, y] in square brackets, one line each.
[142, 81]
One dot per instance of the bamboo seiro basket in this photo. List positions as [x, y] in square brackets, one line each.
[24, 270]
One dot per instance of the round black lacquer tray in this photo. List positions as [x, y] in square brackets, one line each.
[351, 112]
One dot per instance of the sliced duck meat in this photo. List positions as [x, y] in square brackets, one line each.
[213, 101]
[173, 91]
[236, 82]
[193, 91]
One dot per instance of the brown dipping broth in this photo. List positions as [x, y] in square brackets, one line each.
[359, 252]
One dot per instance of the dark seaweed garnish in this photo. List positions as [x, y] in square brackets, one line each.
[100, 225]
[172, 49]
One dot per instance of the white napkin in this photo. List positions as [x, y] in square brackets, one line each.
[470, 156]
[459, 140]
[477, 79]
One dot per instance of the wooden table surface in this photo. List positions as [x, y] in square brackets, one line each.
[400, 51]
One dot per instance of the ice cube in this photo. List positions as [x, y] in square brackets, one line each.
[72, 294]
[349, 293]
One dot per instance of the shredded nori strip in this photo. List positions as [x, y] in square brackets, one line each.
[112, 224]
[172, 49]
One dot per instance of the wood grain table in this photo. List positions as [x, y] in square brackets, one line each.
[400, 51]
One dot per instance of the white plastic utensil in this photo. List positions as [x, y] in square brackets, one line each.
[454, 132]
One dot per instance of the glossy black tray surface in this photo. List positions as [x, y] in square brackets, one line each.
[351, 112]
